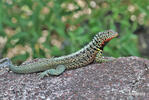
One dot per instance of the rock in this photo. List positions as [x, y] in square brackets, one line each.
[124, 78]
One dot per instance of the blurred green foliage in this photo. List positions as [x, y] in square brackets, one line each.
[46, 28]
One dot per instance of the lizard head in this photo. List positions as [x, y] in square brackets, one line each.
[102, 38]
[108, 35]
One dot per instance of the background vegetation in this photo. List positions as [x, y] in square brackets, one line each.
[47, 28]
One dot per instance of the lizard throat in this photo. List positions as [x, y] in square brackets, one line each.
[103, 43]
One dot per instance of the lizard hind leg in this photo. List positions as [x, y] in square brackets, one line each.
[55, 72]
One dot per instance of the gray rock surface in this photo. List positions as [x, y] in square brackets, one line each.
[126, 78]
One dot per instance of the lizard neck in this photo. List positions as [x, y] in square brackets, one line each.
[96, 45]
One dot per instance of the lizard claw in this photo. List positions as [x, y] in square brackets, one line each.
[43, 74]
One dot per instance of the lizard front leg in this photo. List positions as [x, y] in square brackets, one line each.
[100, 59]
[59, 70]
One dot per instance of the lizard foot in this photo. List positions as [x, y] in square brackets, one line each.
[104, 59]
[59, 70]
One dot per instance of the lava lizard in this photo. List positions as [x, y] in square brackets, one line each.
[56, 66]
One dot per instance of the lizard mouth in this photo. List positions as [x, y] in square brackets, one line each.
[108, 39]
[116, 35]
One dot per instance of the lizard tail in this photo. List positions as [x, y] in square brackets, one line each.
[5, 62]
[28, 68]
[31, 67]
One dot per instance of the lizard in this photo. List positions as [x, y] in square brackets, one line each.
[56, 66]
